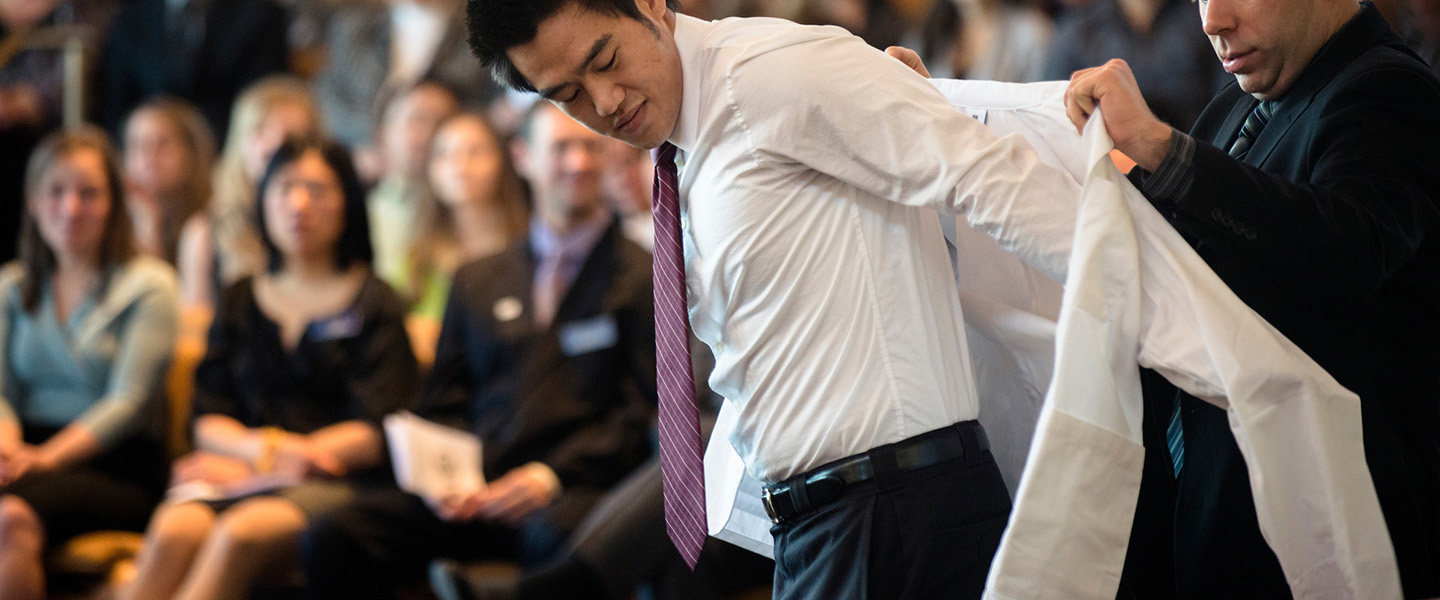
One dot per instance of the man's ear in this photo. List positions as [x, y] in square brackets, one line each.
[655, 9]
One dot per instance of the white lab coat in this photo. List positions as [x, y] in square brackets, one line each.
[1136, 293]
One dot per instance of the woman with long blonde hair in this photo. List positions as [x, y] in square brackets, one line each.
[221, 245]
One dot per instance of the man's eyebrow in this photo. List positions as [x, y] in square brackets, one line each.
[595, 50]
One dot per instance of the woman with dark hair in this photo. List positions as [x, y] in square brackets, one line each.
[87, 327]
[303, 361]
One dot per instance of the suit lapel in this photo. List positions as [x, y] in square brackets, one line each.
[1361, 33]
[1231, 128]
[584, 298]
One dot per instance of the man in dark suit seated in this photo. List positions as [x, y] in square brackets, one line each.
[547, 352]
[1310, 186]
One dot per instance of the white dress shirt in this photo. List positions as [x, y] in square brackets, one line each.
[814, 256]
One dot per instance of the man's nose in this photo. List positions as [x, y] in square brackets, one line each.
[1216, 17]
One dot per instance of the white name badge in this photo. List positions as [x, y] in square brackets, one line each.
[589, 335]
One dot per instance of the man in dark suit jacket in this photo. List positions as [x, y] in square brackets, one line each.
[547, 353]
[204, 51]
[1324, 219]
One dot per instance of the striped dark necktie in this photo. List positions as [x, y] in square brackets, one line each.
[681, 463]
[1259, 116]
[1251, 129]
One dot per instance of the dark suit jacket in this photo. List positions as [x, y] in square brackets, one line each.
[228, 45]
[579, 395]
[1330, 230]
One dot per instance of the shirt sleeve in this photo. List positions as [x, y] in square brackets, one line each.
[1173, 177]
[147, 342]
[7, 288]
[891, 134]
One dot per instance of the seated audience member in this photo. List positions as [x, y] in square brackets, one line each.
[476, 206]
[205, 51]
[381, 48]
[303, 361]
[221, 245]
[629, 175]
[87, 327]
[996, 40]
[622, 547]
[169, 153]
[405, 135]
[1161, 39]
[547, 353]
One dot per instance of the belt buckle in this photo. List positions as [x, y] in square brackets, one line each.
[766, 499]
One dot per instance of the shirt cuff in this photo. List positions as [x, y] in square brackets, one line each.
[1172, 179]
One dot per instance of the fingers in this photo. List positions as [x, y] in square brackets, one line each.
[326, 464]
[513, 505]
[1080, 98]
[910, 58]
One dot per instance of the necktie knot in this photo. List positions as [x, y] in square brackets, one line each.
[1251, 129]
[664, 154]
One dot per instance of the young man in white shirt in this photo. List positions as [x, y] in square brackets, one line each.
[811, 166]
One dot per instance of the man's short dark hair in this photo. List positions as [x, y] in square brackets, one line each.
[495, 26]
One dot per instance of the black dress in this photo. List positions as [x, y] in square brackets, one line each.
[355, 365]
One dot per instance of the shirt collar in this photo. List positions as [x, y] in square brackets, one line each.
[575, 243]
[690, 34]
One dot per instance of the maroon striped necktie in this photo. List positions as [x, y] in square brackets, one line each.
[681, 465]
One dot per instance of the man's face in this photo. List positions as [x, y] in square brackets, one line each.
[618, 76]
[1267, 43]
[563, 161]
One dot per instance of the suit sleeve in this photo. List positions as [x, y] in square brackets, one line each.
[1367, 204]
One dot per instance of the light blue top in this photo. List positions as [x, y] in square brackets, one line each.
[103, 367]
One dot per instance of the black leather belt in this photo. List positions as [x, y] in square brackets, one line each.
[805, 492]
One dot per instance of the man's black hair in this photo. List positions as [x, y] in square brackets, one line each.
[495, 26]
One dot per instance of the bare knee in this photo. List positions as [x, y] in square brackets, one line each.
[259, 524]
[186, 523]
[19, 525]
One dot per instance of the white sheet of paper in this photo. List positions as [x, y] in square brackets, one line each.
[431, 460]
